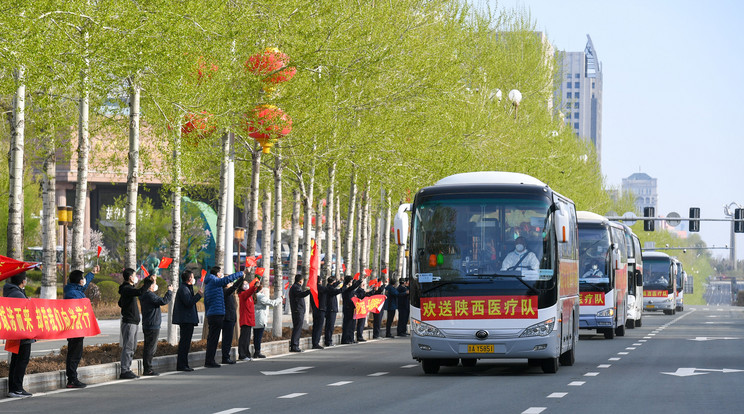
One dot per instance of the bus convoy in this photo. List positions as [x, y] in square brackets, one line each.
[503, 266]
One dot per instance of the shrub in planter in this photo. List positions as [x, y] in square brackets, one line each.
[109, 291]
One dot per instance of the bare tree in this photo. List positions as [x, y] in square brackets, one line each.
[276, 328]
[15, 196]
[130, 259]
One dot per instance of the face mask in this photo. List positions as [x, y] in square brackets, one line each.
[154, 288]
[519, 248]
[245, 286]
[135, 280]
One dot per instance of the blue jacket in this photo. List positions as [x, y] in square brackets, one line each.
[75, 291]
[391, 303]
[214, 296]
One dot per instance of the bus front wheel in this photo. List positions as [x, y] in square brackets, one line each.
[430, 366]
[549, 365]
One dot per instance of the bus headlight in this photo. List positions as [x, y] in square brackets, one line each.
[424, 329]
[606, 312]
[539, 329]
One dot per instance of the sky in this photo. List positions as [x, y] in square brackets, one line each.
[673, 75]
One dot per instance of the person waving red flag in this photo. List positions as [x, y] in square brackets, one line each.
[312, 279]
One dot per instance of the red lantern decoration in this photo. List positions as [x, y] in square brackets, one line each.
[271, 62]
[267, 124]
[197, 126]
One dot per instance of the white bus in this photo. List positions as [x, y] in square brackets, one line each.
[659, 283]
[603, 270]
[635, 280]
[475, 294]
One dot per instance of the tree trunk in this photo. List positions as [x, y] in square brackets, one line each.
[276, 326]
[252, 205]
[77, 261]
[329, 230]
[386, 238]
[308, 225]
[400, 259]
[349, 248]
[219, 238]
[228, 264]
[49, 223]
[318, 235]
[175, 249]
[365, 231]
[15, 196]
[377, 243]
[130, 259]
[266, 237]
[358, 224]
[337, 235]
[294, 243]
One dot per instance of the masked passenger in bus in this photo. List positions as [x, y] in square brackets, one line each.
[593, 271]
[520, 258]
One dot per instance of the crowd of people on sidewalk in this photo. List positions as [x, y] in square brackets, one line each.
[220, 317]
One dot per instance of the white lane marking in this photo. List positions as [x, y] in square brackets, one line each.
[623, 353]
[410, 366]
[576, 383]
[558, 395]
[295, 370]
[378, 374]
[614, 359]
[630, 348]
[637, 344]
[232, 410]
[604, 365]
[340, 383]
[293, 395]
[534, 410]
[591, 374]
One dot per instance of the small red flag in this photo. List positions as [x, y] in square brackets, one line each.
[384, 271]
[286, 286]
[312, 280]
[99, 251]
[144, 271]
[356, 276]
[165, 262]
[10, 267]
[260, 271]
[343, 266]
[250, 261]
[259, 257]
[367, 272]
[373, 283]
[204, 273]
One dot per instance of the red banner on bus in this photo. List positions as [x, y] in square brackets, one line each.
[655, 293]
[46, 318]
[592, 299]
[479, 307]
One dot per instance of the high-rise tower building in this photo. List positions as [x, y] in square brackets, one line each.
[581, 94]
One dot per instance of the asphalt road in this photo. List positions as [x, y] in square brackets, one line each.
[691, 362]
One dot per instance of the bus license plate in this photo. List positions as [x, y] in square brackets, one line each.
[480, 349]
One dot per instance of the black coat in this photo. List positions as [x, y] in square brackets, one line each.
[403, 302]
[347, 293]
[129, 311]
[14, 291]
[331, 303]
[297, 298]
[184, 308]
[151, 303]
[231, 305]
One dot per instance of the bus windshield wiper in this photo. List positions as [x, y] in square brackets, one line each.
[451, 282]
[591, 284]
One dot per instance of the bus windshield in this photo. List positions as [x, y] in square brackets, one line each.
[478, 242]
[594, 264]
[656, 274]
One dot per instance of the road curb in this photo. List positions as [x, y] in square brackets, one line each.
[96, 374]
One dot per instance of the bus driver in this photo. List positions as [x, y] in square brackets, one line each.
[520, 258]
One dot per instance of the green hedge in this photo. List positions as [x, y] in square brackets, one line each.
[109, 291]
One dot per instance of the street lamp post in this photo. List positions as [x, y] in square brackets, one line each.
[239, 235]
[64, 218]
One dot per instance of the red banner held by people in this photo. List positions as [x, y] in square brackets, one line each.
[10, 267]
[46, 318]
[369, 304]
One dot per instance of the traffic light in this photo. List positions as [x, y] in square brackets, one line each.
[739, 220]
[694, 214]
[648, 225]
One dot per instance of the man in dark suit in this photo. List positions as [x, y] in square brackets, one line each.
[377, 316]
[186, 317]
[319, 315]
[404, 307]
[297, 305]
[391, 305]
[331, 308]
[347, 292]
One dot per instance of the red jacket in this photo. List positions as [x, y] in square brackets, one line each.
[247, 307]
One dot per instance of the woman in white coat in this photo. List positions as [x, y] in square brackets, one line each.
[262, 305]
